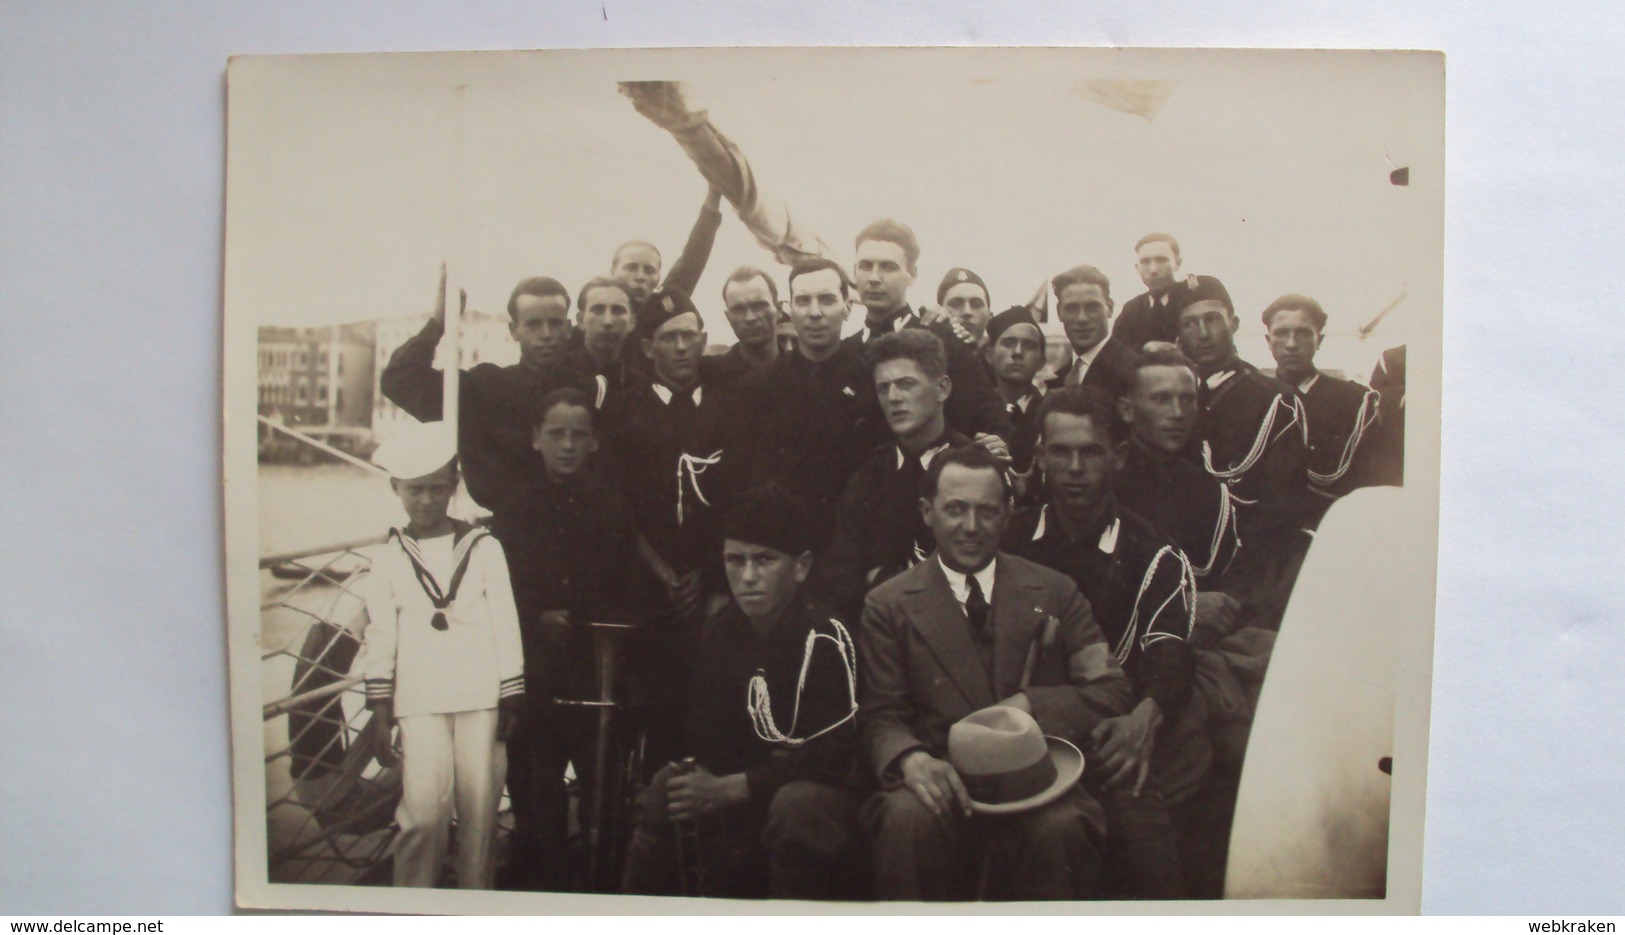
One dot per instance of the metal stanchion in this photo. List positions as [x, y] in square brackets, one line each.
[607, 644]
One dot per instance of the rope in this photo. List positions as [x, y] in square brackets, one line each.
[1186, 588]
[690, 467]
[1363, 419]
[759, 702]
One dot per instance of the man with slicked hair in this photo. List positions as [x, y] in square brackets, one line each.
[1083, 303]
[887, 254]
[494, 403]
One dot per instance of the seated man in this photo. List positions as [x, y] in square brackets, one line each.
[967, 629]
[572, 556]
[1142, 593]
[878, 529]
[1338, 412]
[760, 798]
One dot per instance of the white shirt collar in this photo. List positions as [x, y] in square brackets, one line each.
[924, 456]
[664, 392]
[1217, 380]
[897, 324]
[1108, 536]
[1309, 382]
[959, 583]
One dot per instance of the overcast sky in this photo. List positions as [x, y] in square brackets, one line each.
[350, 178]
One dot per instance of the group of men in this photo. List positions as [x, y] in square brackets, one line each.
[862, 567]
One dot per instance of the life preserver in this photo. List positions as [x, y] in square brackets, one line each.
[334, 772]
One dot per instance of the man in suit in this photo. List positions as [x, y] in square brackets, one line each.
[1154, 314]
[1083, 303]
[967, 629]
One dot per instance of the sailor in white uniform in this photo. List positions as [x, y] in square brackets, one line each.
[444, 662]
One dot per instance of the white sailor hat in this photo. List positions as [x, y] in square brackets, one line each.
[417, 449]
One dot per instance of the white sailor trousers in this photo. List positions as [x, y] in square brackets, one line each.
[449, 763]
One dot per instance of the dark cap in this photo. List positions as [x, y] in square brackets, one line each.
[956, 276]
[768, 515]
[661, 307]
[1202, 288]
[1009, 318]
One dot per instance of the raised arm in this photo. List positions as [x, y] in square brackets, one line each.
[409, 379]
[686, 272]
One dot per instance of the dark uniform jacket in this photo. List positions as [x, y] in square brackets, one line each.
[811, 426]
[973, 406]
[721, 733]
[678, 464]
[1236, 403]
[1148, 318]
[728, 369]
[1023, 429]
[1340, 414]
[878, 523]
[618, 375]
[570, 547]
[494, 411]
[921, 667]
[1188, 506]
[1148, 632]
[1385, 457]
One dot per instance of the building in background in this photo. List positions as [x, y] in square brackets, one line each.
[319, 380]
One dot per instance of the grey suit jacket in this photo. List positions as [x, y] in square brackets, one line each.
[919, 671]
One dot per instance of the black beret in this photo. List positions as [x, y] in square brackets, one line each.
[1009, 318]
[662, 307]
[768, 515]
[1202, 288]
[956, 276]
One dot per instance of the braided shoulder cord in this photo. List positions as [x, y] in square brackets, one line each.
[759, 701]
[1363, 420]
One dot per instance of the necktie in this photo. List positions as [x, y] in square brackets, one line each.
[976, 608]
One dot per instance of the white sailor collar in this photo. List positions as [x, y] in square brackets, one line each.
[665, 393]
[1108, 536]
[924, 457]
[1309, 381]
[898, 323]
[1216, 380]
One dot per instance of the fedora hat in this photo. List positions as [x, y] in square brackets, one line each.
[1007, 764]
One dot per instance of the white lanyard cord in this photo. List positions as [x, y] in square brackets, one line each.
[1187, 588]
[1266, 434]
[689, 468]
[759, 701]
[1363, 420]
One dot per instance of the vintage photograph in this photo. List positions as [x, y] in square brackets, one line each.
[861, 479]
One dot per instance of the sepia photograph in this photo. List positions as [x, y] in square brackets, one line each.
[832, 479]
